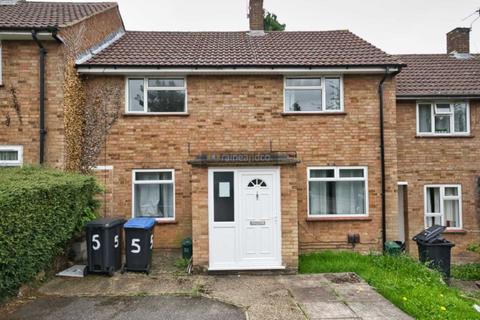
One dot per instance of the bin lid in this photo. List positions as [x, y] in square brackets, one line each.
[430, 234]
[106, 222]
[139, 223]
[187, 242]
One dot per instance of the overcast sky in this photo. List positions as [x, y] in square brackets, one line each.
[396, 26]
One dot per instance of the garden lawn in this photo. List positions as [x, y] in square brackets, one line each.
[411, 286]
[469, 271]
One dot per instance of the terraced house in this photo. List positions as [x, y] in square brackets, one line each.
[259, 145]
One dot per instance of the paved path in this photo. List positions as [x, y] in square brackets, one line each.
[127, 308]
[267, 297]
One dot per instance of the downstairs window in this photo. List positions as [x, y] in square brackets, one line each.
[154, 194]
[337, 191]
[443, 206]
[11, 155]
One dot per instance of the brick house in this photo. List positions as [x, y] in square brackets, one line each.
[259, 145]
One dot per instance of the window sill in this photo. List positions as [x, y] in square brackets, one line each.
[455, 231]
[456, 136]
[339, 113]
[153, 114]
[356, 218]
[161, 221]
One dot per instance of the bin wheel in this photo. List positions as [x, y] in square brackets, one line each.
[147, 270]
[111, 271]
[85, 271]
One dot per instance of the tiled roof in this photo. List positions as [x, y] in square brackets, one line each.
[40, 15]
[210, 49]
[438, 75]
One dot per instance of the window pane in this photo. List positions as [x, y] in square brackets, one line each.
[307, 82]
[350, 197]
[442, 124]
[135, 95]
[452, 213]
[337, 197]
[223, 197]
[322, 173]
[425, 117]
[460, 114]
[451, 191]
[349, 173]
[431, 220]
[139, 176]
[318, 197]
[433, 200]
[154, 200]
[166, 101]
[332, 91]
[7, 155]
[303, 100]
[165, 82]
[442, 108]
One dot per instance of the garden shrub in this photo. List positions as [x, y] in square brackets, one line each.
[40, 209]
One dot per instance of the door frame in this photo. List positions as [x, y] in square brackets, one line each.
[277, 198]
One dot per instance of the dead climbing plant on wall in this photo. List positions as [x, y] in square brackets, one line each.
[12, 104]
[74, 113]
[102, 109]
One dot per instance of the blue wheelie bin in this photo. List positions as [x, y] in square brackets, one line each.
[138, 244]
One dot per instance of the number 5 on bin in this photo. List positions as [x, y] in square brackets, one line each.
[95, 242]
[135, 246]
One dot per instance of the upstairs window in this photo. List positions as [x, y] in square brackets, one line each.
[443, 206]
[313, 95]
[443, 118]
[156, 95]
[11, 155]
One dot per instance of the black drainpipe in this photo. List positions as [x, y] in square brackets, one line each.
[43, 131]
[382, 153]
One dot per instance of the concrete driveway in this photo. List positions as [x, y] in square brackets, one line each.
[160, 295]
[127, 308]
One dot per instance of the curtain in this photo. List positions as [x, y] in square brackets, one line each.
[337, 197]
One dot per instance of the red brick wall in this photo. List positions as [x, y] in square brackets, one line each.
[232, 113]
[424, 161]
[20, 70]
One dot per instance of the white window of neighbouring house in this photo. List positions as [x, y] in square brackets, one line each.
[443, 118]
[11, 155]
[313, 95]
[337, 191]
[154, 194]
[1, 64]
[443, 206]
[156, 95]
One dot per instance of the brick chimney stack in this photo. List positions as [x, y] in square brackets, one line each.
[458, 40]
[255, 15]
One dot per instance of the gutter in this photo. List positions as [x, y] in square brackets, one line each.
[154, 70]
[43, 131]
[382, 150]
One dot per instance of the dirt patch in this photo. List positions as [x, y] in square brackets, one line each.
[343, 278]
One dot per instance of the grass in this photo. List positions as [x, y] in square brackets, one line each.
[470, 271]
[411, 286]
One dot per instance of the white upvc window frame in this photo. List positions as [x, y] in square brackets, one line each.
[145, 94]
[1, 63]
[336, 177]
[433, 108]
[443, 197]
[15, 163]
[321, 87]
[172, 182]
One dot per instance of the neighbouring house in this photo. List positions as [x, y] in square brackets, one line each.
[259, 145]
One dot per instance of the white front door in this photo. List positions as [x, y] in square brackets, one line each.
[244, 219]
